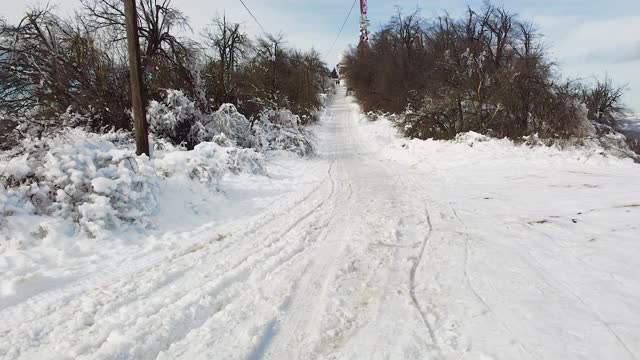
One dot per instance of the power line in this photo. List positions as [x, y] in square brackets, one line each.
[340, 32]
[254, 18]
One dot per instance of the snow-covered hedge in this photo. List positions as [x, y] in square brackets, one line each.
[177, 119]
[97, 182]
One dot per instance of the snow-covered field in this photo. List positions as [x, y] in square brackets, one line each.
[379, 248]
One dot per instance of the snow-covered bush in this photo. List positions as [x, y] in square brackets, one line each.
[209, 161]
[591, 134]
[81, 177]
[98, 183]
[280, 130]
[174, 118]
[178, 120]
[227, 120]
[610, 140]
[471, 138]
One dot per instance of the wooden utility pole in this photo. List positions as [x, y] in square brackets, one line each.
[135, 75]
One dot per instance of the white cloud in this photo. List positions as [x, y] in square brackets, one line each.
[615, 38]
[592, 48]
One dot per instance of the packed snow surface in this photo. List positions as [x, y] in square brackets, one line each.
[379, 248]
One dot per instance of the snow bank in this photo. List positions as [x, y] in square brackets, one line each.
[599, 146]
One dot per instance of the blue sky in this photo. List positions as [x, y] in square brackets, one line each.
[586, 38]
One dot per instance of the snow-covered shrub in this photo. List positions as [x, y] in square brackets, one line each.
[471, 138]
[600, 138]
[377, 115]
[235, 126]
[209, 161]
[81, 177]
[98, 183]
[612, 141]
[373, 115]
[176, 118]
[280, 130]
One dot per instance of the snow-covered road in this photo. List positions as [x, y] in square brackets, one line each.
[394, 249]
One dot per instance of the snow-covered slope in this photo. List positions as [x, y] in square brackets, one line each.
[381, 248]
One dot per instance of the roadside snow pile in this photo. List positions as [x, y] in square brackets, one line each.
[178, 119]
[90, 181]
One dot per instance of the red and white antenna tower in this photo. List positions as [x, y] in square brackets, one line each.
[364, 23]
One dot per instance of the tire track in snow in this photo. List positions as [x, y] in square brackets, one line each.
[481, 299]
[400, 177]
[273, 327]
[302, 302]
[412, 282]
[29, 311]
[246, 274]
[468, 282]
[105, 277]
[224, 292]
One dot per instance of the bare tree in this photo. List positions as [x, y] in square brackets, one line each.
[230, 46]
[166, 59]
[603, 101]
[270, 51]
[57, 65]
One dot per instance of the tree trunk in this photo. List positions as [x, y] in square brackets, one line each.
[135, 75]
